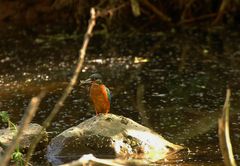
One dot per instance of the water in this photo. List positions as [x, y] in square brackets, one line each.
[175, 83]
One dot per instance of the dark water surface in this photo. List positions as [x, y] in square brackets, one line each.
[173, 82]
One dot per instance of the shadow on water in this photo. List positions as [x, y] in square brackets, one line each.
[174, 83]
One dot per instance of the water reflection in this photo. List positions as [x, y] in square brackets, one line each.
[181, 104]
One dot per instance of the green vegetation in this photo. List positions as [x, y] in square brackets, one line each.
[17, 156]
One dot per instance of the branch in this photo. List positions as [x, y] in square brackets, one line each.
[27, 118]
[221, 11]
[223, 132]
[109, 12]
[155, 10]
[67, 91]
[186, 9]
[89, 159]
[200, 18]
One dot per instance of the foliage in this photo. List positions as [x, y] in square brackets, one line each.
[5, 117]
[17, 156]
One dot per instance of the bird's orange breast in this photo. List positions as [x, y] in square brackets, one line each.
[99, 97]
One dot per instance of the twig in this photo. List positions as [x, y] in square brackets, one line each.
[186, 9]
[223, 132]
[90, 160]
[187, 21]
[155, 10]
[221, 11]
[71, 84]
[110, 11]
[27, 118]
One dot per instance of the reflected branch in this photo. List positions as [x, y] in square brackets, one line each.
[140, 105]
[27, 118]
[223, 132]
[73, 81]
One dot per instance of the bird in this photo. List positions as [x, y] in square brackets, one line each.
[99, 94]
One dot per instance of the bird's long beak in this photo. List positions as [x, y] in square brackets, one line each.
[87, 81]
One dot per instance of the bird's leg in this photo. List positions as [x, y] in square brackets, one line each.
[106, 112]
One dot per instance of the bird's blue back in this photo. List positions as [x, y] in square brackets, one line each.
[108, 94]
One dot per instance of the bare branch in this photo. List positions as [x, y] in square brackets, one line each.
[223, 132]
[89, 159]
[221, 11]
[156, 11]
[67, 91]
[200, 18]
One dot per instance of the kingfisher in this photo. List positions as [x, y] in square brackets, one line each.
[99, 94]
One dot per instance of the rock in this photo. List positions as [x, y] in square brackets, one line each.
[109, 136]
[1, 151]
[6, 136]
